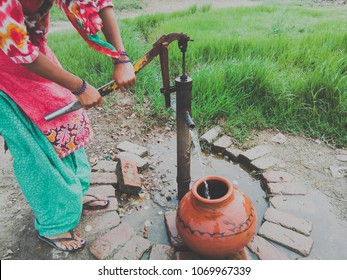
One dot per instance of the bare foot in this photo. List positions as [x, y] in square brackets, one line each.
[68, 241]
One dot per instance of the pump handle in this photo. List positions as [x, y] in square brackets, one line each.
[112, 85]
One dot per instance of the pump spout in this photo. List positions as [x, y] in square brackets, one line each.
[189, 121]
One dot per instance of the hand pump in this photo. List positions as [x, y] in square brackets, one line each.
[183, 89]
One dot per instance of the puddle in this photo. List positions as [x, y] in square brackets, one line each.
[149, 220]
[164, 154]
[163, 197]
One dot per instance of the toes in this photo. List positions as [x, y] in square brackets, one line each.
[73, 244]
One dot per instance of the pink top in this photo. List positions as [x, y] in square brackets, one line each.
[23, 29]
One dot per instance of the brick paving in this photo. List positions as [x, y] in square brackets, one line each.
[121, 241]
[110, 236]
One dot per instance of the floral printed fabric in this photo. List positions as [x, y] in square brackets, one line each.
[68, 138]
[85, 12]
[21, 33]
[23, 29]
[14, 39]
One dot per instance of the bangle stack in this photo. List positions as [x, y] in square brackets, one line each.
[119, 61]
[123, 53]
[82, 89]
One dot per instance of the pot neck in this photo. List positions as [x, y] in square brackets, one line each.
[219, 197]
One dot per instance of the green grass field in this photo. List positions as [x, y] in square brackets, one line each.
[271, 66]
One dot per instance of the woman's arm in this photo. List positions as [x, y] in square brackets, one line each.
[17, 46]
[45, 68]
[123, 73]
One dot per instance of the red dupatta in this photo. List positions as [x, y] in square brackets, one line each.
[84, 16]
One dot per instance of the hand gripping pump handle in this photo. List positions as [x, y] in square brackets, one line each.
[112, 86]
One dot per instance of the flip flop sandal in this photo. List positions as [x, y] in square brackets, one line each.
[87, 206]
[52, 242]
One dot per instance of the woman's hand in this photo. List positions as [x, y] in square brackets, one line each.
[45, 68]
[90, 97]
[123, 74]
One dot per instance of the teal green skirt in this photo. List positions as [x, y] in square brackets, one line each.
[53, 187]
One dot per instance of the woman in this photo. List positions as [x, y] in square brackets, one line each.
[50, 164]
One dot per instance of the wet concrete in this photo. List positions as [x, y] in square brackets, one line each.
[329, 230]
[164, 155]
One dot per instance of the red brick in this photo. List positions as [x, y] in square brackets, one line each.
[294, 241]
[265, 250]
[133, 249]
[102, 190]
[256, 152]
[277, 177]
[105, 166]
[105, 246]
[290, 221]
[290, 188]
[129, 180]
[266, 162]
[293, 203]
[221, 144]
[93, 224]
[233, 153]
[211, 135]
[127, 146]
[99, 178]
[141, 163]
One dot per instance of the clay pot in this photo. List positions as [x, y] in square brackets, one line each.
[218, 227]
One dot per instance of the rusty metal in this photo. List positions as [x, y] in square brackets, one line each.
[182, 45]
[158, 49]
[184, 123]
[164, 64]
[183, 106]
[189, 121]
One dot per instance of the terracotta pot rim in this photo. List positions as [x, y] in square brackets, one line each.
[200, 181]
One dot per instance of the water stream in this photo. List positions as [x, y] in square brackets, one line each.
[195, 139]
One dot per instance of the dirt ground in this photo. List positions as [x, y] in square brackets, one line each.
[309, 159]
[163, 6]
